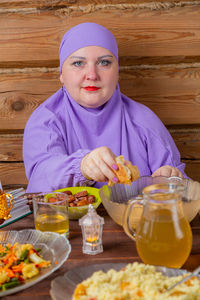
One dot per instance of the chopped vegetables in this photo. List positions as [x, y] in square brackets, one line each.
[19, 263]
[24, 254]
[35, 258]
[30, 270]
[10, 284]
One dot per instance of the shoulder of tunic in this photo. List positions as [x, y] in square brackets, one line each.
[49, 110]
[145, 119]
[140, 114]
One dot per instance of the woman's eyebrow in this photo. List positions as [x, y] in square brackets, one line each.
[100, 57]
[77, 57]
[82, 57]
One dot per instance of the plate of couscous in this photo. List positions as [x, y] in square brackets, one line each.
[124, 281]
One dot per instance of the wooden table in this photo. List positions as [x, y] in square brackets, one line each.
[118, 247]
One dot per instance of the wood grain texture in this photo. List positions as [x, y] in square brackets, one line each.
[171, 91]
[39, 4]
[21, 93]
[188, 142]
[12, 173]
[174, 32]
[161, 88]
[64, 3]
[192, 169]
[11, 147]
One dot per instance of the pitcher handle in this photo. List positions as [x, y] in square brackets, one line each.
[11, 201]
[131, 232]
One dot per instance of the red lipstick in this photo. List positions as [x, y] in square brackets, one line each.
[91, 88]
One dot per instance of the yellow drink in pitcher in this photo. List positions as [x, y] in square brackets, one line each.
[53, 222]
[161, 241]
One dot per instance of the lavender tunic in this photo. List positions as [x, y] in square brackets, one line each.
[60, 132]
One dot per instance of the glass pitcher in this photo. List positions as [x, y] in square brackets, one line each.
[6, 204]
[163, 235]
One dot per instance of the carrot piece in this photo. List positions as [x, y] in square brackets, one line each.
[189, 281]
[80, 290]
[18, 268]
[43, 264]
[139, 293]
[2, 249]
[31, 251]
[124, 285]
[177, 293]
[10, 273]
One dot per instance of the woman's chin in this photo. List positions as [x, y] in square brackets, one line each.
[92, 104]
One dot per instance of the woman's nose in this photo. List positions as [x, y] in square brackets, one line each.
[92, 73]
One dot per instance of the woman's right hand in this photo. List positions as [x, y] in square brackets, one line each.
[98, 165]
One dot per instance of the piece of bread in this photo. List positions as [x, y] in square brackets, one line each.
[126, 173]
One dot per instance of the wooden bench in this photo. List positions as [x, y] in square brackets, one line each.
[159, 54]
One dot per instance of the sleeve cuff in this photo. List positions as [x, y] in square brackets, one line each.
[80, 180]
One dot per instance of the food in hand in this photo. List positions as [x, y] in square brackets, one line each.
[126, 172]
[18, 263]
[136, 281]
[79, 199]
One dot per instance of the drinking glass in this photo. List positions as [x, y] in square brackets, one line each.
[163, 235]
[51, 212]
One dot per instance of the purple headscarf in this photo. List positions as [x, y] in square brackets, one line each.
[99, 128]
[84, 35]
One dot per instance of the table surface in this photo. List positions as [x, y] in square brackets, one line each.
[118, 247]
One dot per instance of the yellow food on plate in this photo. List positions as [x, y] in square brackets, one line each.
[135, 282]
[126, 172]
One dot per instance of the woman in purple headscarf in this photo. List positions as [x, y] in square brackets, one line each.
[76, 134]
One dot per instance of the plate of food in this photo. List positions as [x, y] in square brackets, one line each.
[29, 256]
[79, 199]
[123, 281]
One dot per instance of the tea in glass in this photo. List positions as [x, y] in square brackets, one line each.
[51, 215]
[52, 222]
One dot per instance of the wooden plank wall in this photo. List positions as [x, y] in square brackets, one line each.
[159, 48]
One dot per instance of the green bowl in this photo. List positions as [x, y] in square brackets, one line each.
[76, 213]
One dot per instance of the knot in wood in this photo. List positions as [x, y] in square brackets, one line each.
[18, 105]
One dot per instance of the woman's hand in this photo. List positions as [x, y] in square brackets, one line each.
[98, 164]
[168, 171]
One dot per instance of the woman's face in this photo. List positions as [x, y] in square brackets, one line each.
[90, 75]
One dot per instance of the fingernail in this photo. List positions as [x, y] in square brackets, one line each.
[115, 167]
[115, 179]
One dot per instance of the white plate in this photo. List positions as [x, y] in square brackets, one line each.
[62, 287]
[55, 248]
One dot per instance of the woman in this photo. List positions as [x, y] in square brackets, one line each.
[76, 134]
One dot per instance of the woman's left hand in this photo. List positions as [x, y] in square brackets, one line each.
[168, 171]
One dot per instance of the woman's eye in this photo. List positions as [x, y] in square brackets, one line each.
[78, 63]
[104, 62]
